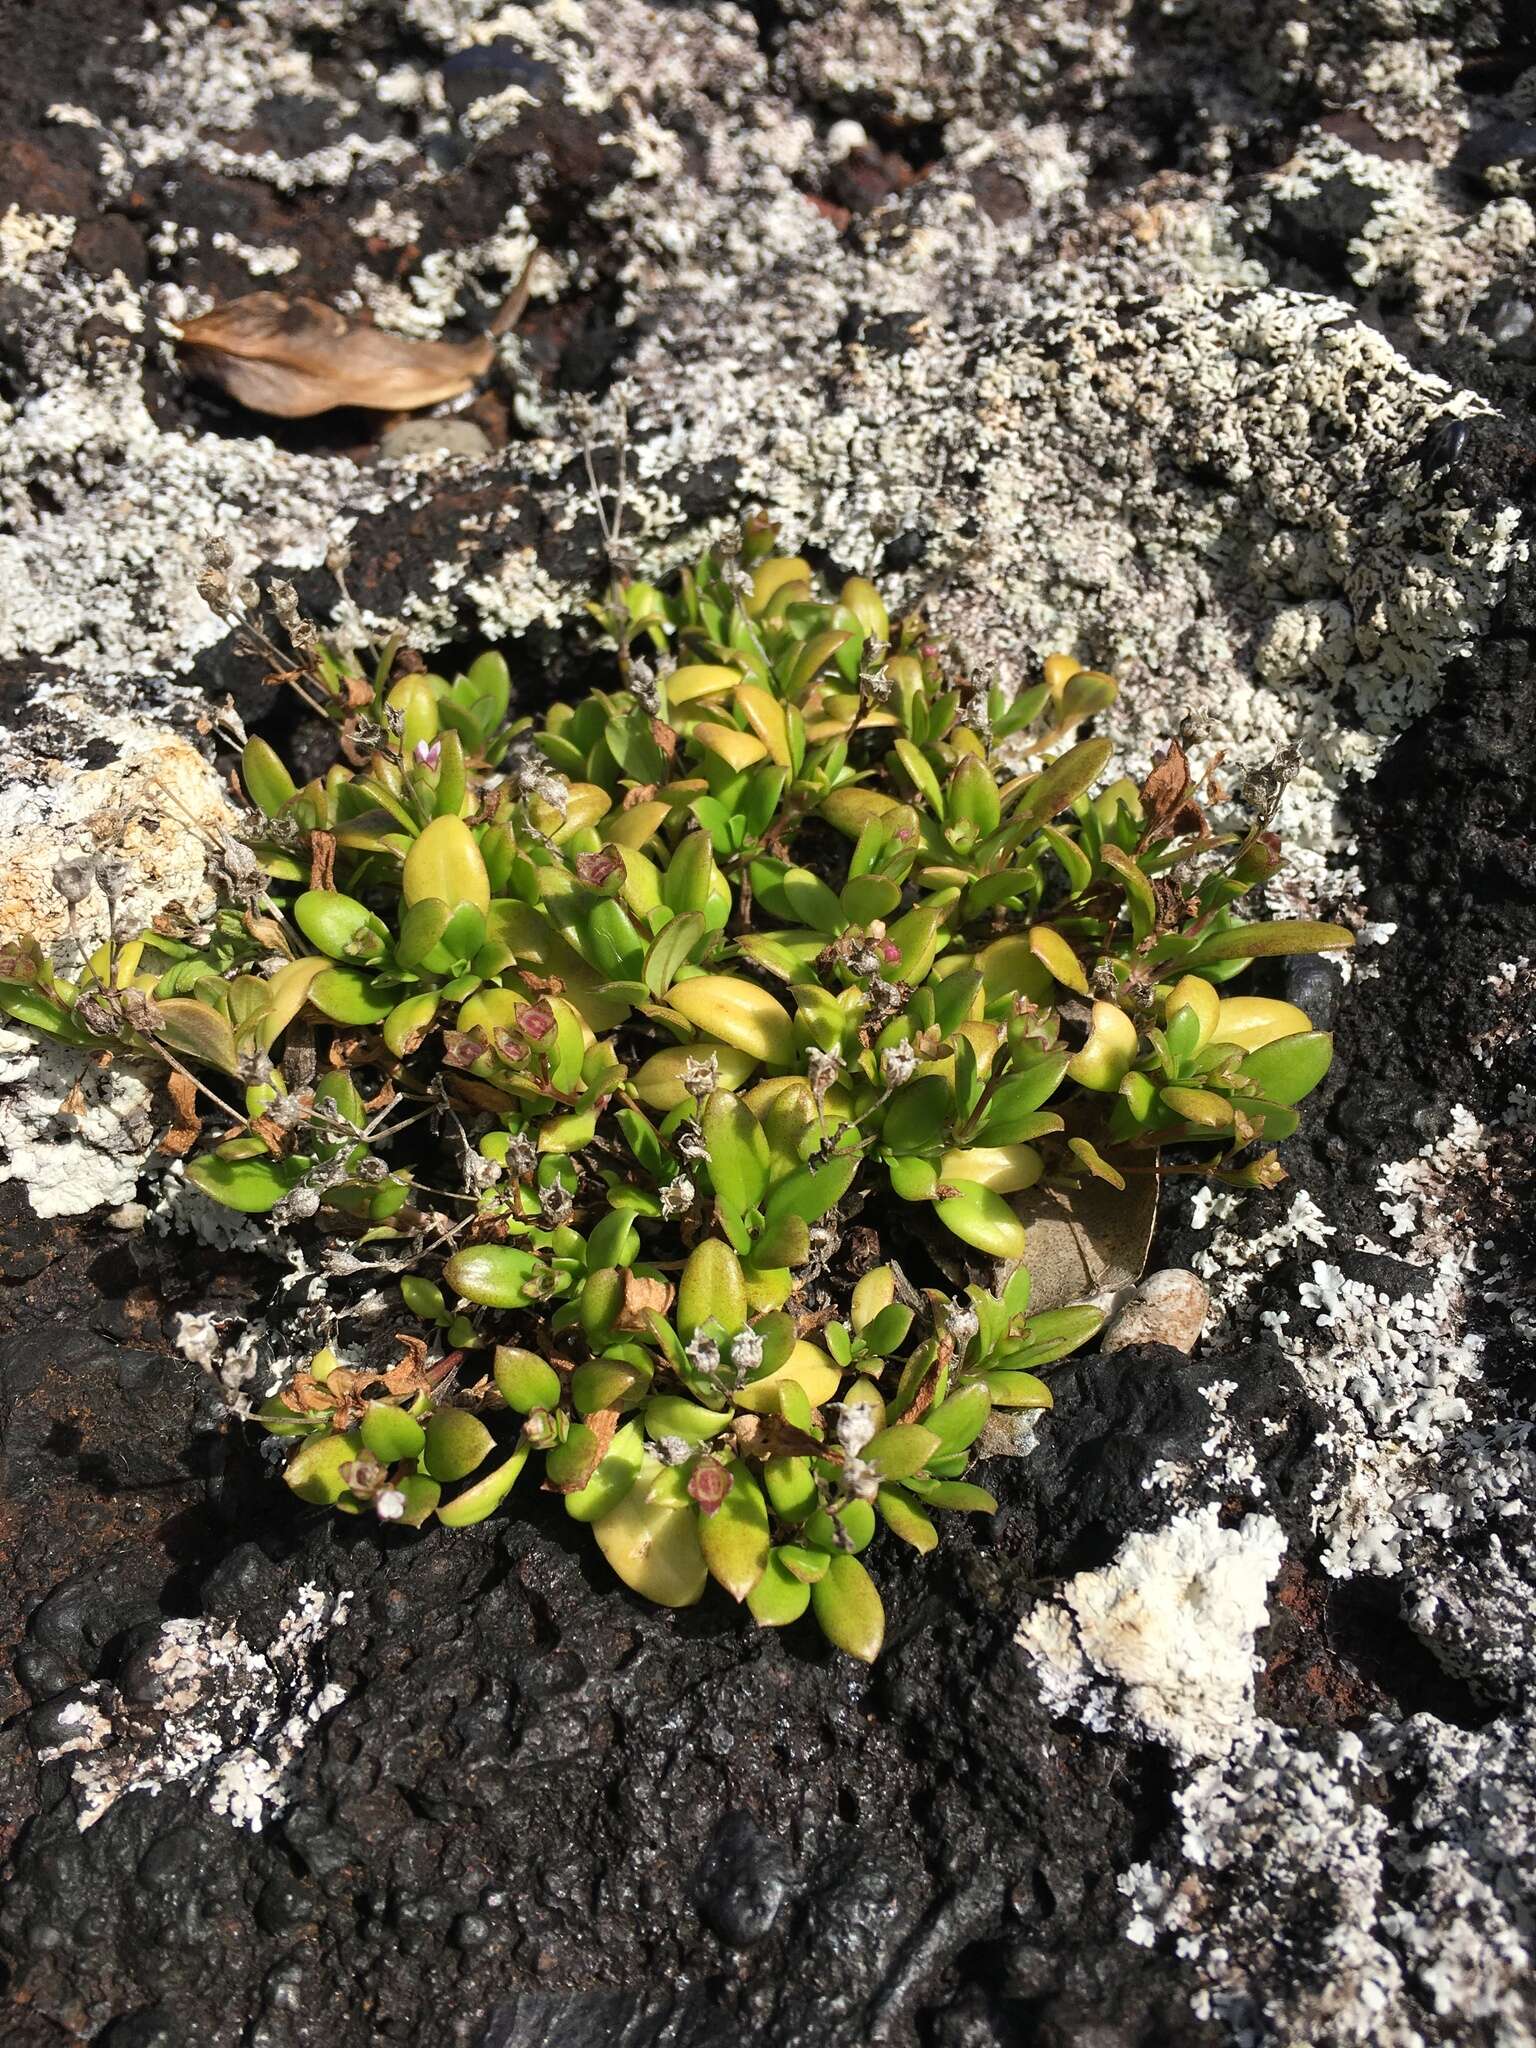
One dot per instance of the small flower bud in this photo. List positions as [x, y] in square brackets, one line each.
[898, 1063]
[296, 1207]
[389, 1504]
[961, 1322]
[822, 1070]
[365, 1475]
[704, 1355]
[701, 1077]
[540, 1430]
[429, 756]
[74, 880]
[708, 1484]
[746, 1354]
[857, 1423]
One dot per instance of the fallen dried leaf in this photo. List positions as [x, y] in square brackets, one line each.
[297, 357]
[183, 1134]
[640, 1294]
[322, 860]
[1084, 1240]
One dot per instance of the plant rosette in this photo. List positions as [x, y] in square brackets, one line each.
[604, 1027]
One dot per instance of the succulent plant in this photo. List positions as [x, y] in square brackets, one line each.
[605, 1027]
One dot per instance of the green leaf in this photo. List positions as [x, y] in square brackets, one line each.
[791, 1488]
[1016, 1100]
[973, 796]
[811, 1191]
[615, 1475]
[734, 1539]
[981, 1219]
[486, 691]
[784, 1242]
[917, 1114]
[654, 1548]
[856, 1518]
[920, 774]
[848, 1608]
[887, 1331]
[1064, 781]
[457, 1442]
[912, 1179]
[1287, 1069]
[524, 1380]
[904, 1518]
[486, 1495]
[917, 938]
[1053, 1334]
[901, 1450]
[1017, 1390]
[690, 874]
[446, 863]
[712, 1288]
[672, 949]
[390, 1433]
[958, 1421]
[779, 1597]
[738, 1150]
[340, 925]
[348, 995]
[201, 1033]
[1265, 941]
[868, 897]
[494, 1275]
[314, 1470]
[671, 1415]
[954, 1495]
[253, 1186]
[267, 781]
[421, 1498]
[738, 1012]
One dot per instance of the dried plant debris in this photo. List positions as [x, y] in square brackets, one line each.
[601, 1029]
[296, 357]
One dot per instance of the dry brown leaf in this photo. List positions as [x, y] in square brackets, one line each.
[1084, 1240]
[770, 1436]
[640, 1295]
[322, 860]
[183, 1134]
[294, 358]
[1168, 802]
[409, 1374]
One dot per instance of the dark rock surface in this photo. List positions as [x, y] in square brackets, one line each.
[1038, 344]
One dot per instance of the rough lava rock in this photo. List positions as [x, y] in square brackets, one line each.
[1196, 340]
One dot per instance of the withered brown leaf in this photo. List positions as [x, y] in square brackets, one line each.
[322, 860]
[294, 358]
[640, 1294]
[1168, 799]
[770, 1436]
[183, 1134]
[297, 357]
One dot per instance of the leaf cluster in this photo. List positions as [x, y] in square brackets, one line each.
[665, 986]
